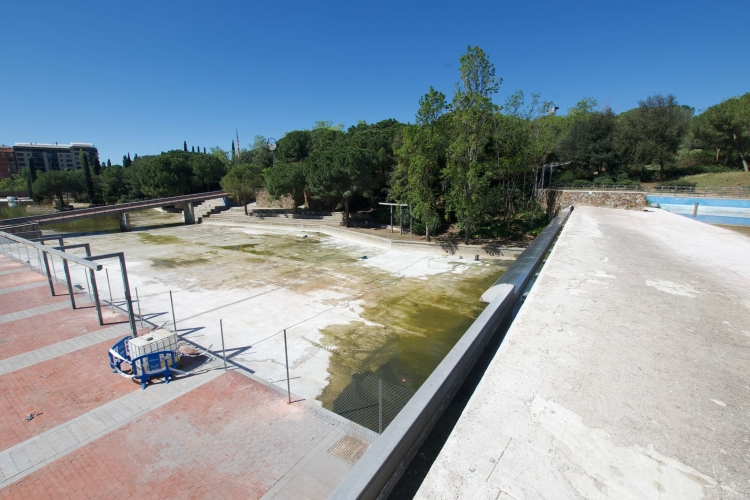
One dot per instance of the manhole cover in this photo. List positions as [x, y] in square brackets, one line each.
[349, 448]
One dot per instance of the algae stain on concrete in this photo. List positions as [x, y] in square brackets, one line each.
[159, 239]
[171, 263]
[422, 321]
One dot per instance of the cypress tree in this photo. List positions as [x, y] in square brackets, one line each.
[109, 163]
[192, 149]
[87, 175]
[97, 167]
[198, 148]
[204, 149]
[232, 150]
[184, 145]
[124, 161]
[135, 157]
[30, 177]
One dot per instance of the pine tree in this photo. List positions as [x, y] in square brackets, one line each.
[87, 176]
[184, 145]
[109, 163]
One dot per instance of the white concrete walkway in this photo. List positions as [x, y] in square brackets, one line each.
[625, 374]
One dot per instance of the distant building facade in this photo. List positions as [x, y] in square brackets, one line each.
[53, 156]
[7, 162]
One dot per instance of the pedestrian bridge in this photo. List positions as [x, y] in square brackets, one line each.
[185, 202]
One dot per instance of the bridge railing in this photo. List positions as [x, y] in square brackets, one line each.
[705, 192]
[112, 209]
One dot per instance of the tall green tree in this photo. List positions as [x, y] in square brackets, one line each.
[726, 125]
[420, 159]
[30, 178]
[169, 174]
[652, 132]
[469, 170]
[184, 146]
[96, 168]
[109, 163]
[241, 182]
[590, 144]
[286, 178]
[55, 183]
[87, 177]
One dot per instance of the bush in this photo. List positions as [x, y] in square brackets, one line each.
[677, 183]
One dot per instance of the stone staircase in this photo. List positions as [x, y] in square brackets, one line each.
[207, 208]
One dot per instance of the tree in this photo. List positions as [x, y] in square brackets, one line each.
[338, 170]
[114, 187]
[294, 146]
[726, 125]
[56, 183]
[233, 152]
[583, 108]
[169, 174]
[207, 170]
[97, 168]
[416, 178]
[590, 144]
[192, 149]
[30, 178]
[184, 146]
[468, 171]
[89, 181]
[286, 178]
[652, 132]
[204, 150]
[241, 182]
[109, 163]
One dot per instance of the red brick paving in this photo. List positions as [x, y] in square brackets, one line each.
[8, 265]
[18, 337]
[15, 279]
[229, 438]
[74, 384]
[33, 297]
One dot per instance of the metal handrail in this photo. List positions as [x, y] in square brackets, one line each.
[121, 207]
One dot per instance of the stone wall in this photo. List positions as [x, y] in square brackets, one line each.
[264, 200]
[553, 201]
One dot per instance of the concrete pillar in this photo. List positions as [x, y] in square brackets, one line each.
[189, 213]
[124, 222]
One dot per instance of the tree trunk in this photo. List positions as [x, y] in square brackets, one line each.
[739, 151]
[307, 201]
[466, 236]
[244, 202]
[346, 212]
[718, 150]
[427, 230]
[661, 170]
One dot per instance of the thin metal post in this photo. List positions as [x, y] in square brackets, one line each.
[28, 256]
[411, 233]
[391, 218]
[111, 302]
[49, 275]
[400, 219]
[54, 271]
[288, 385]
[174, 320]
[70, 283]
[380, 406]
[95, 291]
[695, 210]
[138, 301]
[128, 300]
[223, 351]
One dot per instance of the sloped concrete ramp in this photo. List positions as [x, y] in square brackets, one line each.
[624, 376]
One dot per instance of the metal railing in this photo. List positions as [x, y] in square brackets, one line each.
[703, 192]
[598, 187]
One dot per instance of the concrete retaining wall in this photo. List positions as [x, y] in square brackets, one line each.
[553, 200]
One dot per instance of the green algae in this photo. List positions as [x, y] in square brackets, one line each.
[159, 239]
[171, 263]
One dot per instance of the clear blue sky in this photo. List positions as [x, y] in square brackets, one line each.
[141, 77]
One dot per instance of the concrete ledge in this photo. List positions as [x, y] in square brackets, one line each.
[375, 474]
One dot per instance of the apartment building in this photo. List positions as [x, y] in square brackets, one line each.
[7, 162]
[53, 156]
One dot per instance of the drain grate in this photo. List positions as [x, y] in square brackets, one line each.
[349, 448]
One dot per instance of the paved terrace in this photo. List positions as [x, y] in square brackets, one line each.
[213, 434]
[625, 374]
